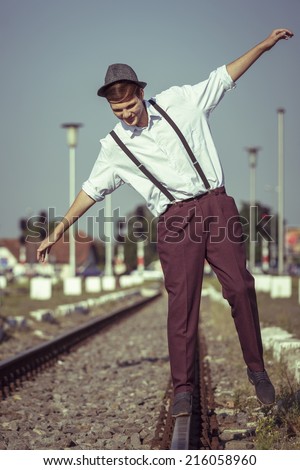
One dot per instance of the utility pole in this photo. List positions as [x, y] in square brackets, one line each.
[280, 115]
[109, 236]
[72, 131]
[252, 155]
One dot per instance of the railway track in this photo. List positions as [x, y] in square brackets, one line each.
[16, 369]
[196, 432]
[200, 430]
[112, 393]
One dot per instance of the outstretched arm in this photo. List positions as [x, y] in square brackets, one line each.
[81, 204]
[239, 66]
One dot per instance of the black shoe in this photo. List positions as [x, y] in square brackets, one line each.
[182, 405]
[264, 389]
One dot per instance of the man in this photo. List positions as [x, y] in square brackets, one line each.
[164, 149]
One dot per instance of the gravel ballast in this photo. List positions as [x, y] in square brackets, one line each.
[105, 395]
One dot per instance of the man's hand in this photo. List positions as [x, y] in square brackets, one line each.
[275, 36]
[81, 204]
[46, 245]
[239, 66]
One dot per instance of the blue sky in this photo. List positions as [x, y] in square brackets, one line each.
[54, 56]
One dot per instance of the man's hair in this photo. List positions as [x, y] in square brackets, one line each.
[122, 91]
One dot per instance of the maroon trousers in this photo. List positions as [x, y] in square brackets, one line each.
[188, 233]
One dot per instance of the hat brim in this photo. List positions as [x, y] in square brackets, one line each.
[102, 90]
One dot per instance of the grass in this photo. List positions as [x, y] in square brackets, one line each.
[17, 301]
[279, 429]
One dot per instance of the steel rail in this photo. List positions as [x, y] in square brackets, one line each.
[181, 433]
[200, 430]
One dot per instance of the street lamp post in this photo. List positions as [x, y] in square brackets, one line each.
[108, 280]
[280, 114]
[272, 245]
[72, 130]
[108, 232]
[252, 155]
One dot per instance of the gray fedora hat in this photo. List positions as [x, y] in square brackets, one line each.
[119, 73]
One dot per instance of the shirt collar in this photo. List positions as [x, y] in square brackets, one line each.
[153, 115]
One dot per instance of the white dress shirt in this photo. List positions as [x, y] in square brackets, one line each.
[160, 150]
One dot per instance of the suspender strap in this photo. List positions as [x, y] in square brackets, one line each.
[184, 142]
[141, 167]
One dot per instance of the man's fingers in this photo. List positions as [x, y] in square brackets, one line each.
[40, 256]
[42, 253]
[43, 256]
[285, 33]
[288, 34]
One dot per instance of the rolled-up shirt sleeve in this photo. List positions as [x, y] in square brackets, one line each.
[207, 94]
[103, 179]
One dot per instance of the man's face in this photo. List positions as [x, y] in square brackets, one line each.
[132, 111]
